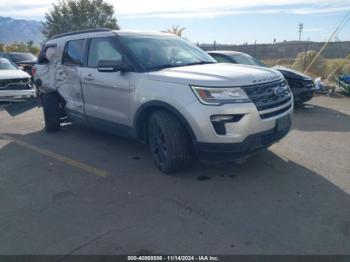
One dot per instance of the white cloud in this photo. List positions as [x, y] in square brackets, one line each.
[187, 8]
[154, 6]
[312, 30]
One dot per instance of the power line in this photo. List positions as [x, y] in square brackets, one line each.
[337, 30]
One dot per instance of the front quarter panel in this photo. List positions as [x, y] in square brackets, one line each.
[181, 97]
[144, 90]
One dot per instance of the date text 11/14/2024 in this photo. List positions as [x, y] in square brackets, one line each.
[173, 258]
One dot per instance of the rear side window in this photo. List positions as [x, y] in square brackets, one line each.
[103, 48]
[73, 54]
[47, 54]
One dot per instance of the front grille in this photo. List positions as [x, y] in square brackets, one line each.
[299, 83]
[264, 97]
[275, 113]
[15, 84]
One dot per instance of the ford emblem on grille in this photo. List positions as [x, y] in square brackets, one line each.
[278, 91]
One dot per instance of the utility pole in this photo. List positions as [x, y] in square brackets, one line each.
[342, 24]
[301, 27]
[214, 45]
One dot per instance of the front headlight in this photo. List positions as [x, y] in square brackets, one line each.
[218, 96]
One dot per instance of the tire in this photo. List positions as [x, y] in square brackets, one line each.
[52, 112]
[298, 103]
[168, 142]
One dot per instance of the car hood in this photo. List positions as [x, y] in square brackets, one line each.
[11, 74]
[216, 75]
[290, 73]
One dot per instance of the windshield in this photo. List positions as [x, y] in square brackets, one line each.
[22, 57]
[6, 64]
[157, 52]
[247, 60]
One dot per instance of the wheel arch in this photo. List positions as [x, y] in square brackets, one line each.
[143, 113]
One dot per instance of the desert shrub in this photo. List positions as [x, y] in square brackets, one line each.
[318, 68]
[346, 69]
[288, 62]
[269, 62]
[20, 47]
[322, 67]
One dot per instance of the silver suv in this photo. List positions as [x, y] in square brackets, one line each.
[163, 91]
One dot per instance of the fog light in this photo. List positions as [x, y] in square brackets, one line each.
[226, 118]
[219, 121]
[221, 118]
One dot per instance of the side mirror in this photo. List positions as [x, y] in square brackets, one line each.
[109, 66]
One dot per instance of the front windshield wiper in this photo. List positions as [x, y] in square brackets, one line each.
[163, 67]
[179, 65]
[200, 63]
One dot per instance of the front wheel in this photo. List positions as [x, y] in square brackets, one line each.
[168, 142]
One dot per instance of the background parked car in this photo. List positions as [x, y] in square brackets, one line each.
[302, 86]
[23, 60]
[15, 88]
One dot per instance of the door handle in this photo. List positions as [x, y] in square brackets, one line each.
[89, 77]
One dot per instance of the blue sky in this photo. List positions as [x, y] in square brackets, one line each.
[226, 21]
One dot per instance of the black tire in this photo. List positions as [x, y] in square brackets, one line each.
[52, 112]
[298, 103]
[168, 142]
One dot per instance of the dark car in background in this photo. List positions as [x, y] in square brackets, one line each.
[302, 86]
[25, 61]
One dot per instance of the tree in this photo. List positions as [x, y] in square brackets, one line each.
[28, 47]
[73, 15]
[176, 30]
[32, 48]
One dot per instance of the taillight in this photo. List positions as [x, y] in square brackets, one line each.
[33, 71]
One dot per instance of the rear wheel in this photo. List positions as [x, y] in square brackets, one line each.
[168, 142]
[52, 112]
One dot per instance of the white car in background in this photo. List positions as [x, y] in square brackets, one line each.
[15, 84]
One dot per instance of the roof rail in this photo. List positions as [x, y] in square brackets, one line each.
[80, 32]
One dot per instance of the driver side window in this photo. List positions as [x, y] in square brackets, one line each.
[102, 49]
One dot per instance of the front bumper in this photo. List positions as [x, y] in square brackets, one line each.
[234, 152]
[16, 95]
[252, 121]
[252, 131]
[303, 95]
[303, 90]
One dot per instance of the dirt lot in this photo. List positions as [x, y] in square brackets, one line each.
[84, 192]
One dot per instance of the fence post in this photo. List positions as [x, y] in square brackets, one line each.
[255, 49]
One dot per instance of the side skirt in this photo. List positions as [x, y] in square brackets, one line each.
[102, 125]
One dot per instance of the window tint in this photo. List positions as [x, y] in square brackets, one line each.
[157, 52]
[73, 53]
[47, 53]
[22, 57]
[102, 49]
[247, 60]
[6, 64]
[221, 59]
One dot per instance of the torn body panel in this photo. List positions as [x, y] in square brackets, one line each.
[53, 76]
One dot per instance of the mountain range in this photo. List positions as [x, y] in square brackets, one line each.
[20, 30]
